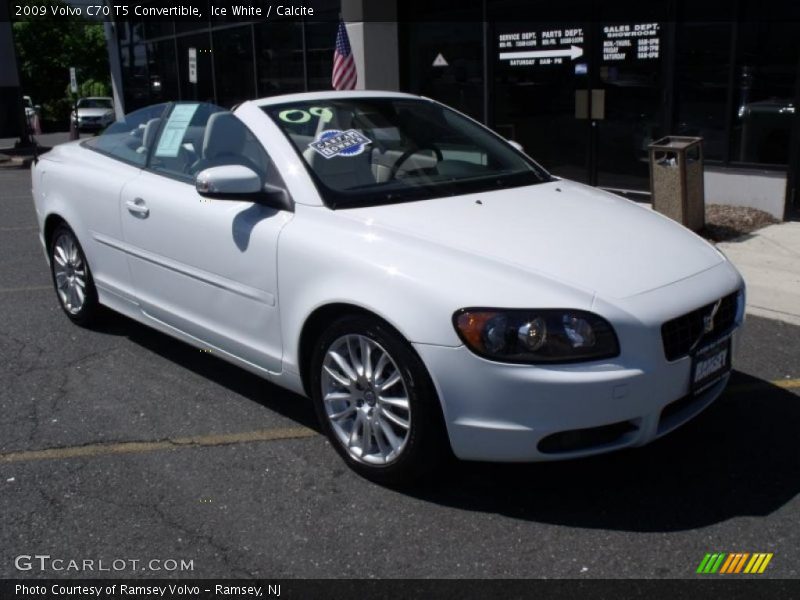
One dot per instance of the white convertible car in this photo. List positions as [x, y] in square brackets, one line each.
[428, 285]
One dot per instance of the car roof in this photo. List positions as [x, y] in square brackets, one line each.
[96, 98]
[306, 96]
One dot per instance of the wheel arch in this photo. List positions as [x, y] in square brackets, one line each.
[52, 221]
[319, 319]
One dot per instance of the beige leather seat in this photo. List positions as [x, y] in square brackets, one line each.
[223, 144]
[150, 129]
[341, 172]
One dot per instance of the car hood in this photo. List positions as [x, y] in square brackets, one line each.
[93, 112]
[571, 233]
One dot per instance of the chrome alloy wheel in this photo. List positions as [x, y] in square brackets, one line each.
[365, 399]
[69, 270]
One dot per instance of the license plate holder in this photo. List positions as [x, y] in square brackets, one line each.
[710, 364]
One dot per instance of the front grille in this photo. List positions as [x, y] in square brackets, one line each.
[680, 333]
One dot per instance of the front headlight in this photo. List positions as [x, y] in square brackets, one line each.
[536, 336]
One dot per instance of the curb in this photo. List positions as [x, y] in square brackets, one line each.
[15, 162]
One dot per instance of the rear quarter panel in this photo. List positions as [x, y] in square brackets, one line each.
[82, 187]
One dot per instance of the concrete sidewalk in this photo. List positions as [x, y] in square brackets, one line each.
[15, 158]
[769, 260]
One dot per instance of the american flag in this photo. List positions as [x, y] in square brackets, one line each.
[344, 67]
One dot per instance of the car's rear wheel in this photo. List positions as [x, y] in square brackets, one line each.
[376, 401]
[72, 278]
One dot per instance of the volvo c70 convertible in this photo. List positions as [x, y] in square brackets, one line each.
[429, 286]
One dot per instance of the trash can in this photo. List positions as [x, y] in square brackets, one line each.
[676, 179]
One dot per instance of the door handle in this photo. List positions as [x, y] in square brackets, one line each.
[138, 208]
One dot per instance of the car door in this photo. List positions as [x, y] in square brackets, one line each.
[93, 185]
[207, 268]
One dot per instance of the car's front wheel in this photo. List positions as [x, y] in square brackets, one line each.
[376, 401]
[72, 277]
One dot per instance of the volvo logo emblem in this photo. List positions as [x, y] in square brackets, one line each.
[708, 323]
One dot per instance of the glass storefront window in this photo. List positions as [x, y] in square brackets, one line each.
[630, 78]
[702, 66]
[233, 56]
[156, 28]
[534, 103]
[279, 58]
[445, 62]
[134, 70]
[162, 71]
[185, 25]
[203, 90]
[442, 53]
[320, 39]
[764, 87]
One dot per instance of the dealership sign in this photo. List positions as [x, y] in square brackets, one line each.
[546, 47]
[552, 46]
[631, 41]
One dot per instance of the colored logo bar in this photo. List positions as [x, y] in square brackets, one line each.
[735, 562]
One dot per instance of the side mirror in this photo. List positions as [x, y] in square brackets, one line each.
[227, 182]
[237, 182]
[276, 197]
[516, 145]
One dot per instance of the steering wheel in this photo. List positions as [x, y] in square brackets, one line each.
[408, 154]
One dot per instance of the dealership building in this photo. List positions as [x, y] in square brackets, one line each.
[583, 87]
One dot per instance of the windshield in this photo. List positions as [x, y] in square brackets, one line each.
[94, 103]
[363, 151]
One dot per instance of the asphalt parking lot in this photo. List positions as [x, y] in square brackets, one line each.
[121, 443]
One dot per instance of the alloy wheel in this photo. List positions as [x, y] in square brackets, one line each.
[366, 399]
[69, 271]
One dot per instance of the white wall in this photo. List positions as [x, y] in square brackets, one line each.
[765, 190]
[378, 41]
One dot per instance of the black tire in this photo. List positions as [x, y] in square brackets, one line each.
[89, 311]
[426, 446]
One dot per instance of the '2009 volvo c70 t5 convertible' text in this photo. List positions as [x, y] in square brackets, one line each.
[421, 279]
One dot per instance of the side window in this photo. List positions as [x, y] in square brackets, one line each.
[197, 136]
[128, 139]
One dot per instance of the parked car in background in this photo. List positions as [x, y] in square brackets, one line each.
[423, 281]
[94, 113]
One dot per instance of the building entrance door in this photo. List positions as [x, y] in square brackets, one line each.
[541, 82]
[585, 98]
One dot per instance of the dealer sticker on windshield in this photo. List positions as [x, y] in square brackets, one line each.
[334, 142]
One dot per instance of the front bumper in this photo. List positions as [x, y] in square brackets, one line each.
[91, 125]
[509, 412]
[500, 412]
